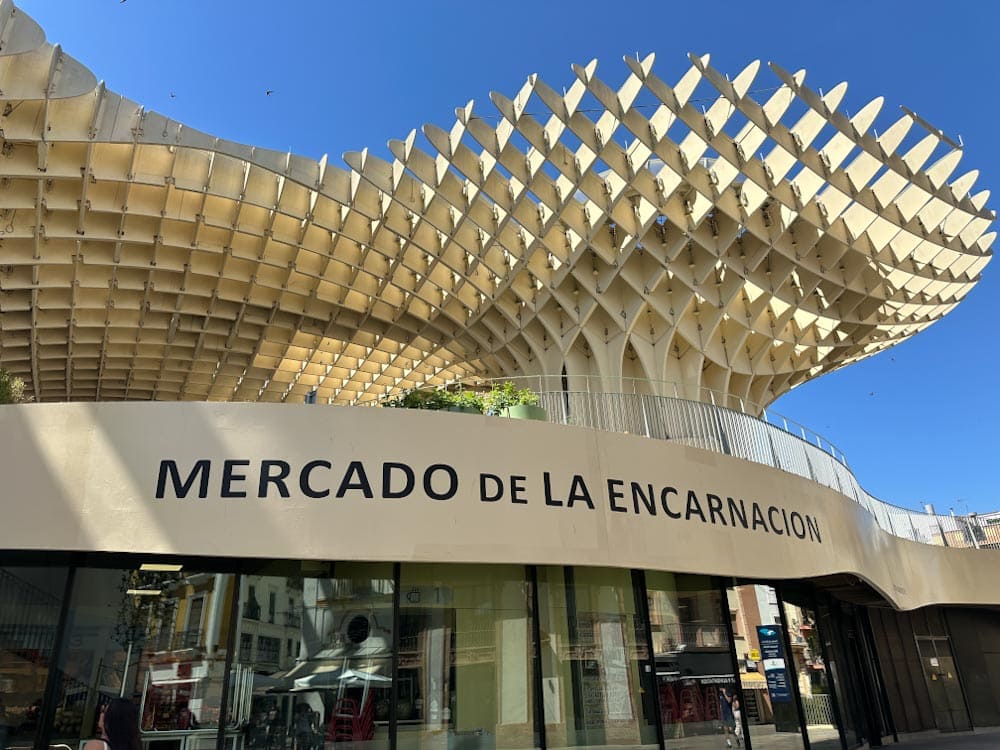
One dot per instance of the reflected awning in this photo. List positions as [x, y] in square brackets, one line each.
[284, 681]
[323, 674]
[334, 678]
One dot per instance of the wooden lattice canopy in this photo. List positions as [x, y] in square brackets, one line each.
[742, 242]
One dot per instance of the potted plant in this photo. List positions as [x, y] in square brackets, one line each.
[507, 400]
[427, 398]
[466, 402]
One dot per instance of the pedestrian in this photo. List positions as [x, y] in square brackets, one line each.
[730, 706]
[117, 727]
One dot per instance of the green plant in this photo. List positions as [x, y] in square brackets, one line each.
[506, 395]
[436, 399]
[11, 388]
[427, 398]
[467, 399]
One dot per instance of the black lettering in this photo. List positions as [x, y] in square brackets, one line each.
[813, 526]
[278, 481]
[615, 493]
[484, 494]
[694, 507]
[169, 466]
[758, 519]
[387, 468]
[517, 489]
[361, 483]
[229, 476]
[715, 508]
[771, 513]
[739, 512]
[639, 496]
[449, 493]
[304, 484]
[784, 515]
[800, 528]
[666, 506]
[547, 483]
[578, 491]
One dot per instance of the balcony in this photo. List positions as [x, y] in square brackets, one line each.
[186, 639]
[702, 418]
[689, 636]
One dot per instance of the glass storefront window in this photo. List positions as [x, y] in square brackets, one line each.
[812, 673]
[30, 603]
[155, 635]
[314, 665]
[465, 658]
[596, 671]
[695, 686]
[318, 659]
[768, 694]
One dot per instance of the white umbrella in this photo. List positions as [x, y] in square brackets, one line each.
[354, 677]
[334, 677]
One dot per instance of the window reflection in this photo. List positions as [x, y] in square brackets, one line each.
[594, 659]
[156, 636]
[314, 667]
[30, 602]
[813, 677]
[312, 653]
[464, 658]
[769, 698]
[695, 686]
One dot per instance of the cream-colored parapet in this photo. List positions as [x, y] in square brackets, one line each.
[275, 481]
[742, 245]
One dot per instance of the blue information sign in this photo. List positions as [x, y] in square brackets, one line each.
[772, 657]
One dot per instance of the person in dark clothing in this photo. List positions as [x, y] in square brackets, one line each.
[117, 727]
[730, 705]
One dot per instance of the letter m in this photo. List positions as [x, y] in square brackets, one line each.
[169, 467]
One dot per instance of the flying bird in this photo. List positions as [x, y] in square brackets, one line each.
[268, 92]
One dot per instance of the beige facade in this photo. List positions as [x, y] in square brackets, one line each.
[94, 472]
[614, 231]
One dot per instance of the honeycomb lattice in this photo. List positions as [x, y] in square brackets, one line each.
[742, 240]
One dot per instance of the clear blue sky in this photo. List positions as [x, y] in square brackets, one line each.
[918, 423]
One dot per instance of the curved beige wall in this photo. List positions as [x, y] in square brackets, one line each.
[84, 477]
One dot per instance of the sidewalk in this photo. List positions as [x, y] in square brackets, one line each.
[978, 739]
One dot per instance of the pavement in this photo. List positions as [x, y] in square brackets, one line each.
[826, 738]
[977, 739]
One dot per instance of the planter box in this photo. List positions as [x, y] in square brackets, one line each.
[523, 411]
[464, 409]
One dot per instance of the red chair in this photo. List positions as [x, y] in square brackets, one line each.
[669, 709]
[352, 723]
[713, 704]
[692, 708]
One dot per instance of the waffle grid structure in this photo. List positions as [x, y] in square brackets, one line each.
[732, 245]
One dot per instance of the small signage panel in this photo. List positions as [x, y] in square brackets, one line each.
[772, 653]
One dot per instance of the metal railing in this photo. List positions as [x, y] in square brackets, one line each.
[703, 418]
[818, 710]
[28, 627]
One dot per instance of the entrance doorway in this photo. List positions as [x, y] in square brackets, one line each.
[947, 701]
